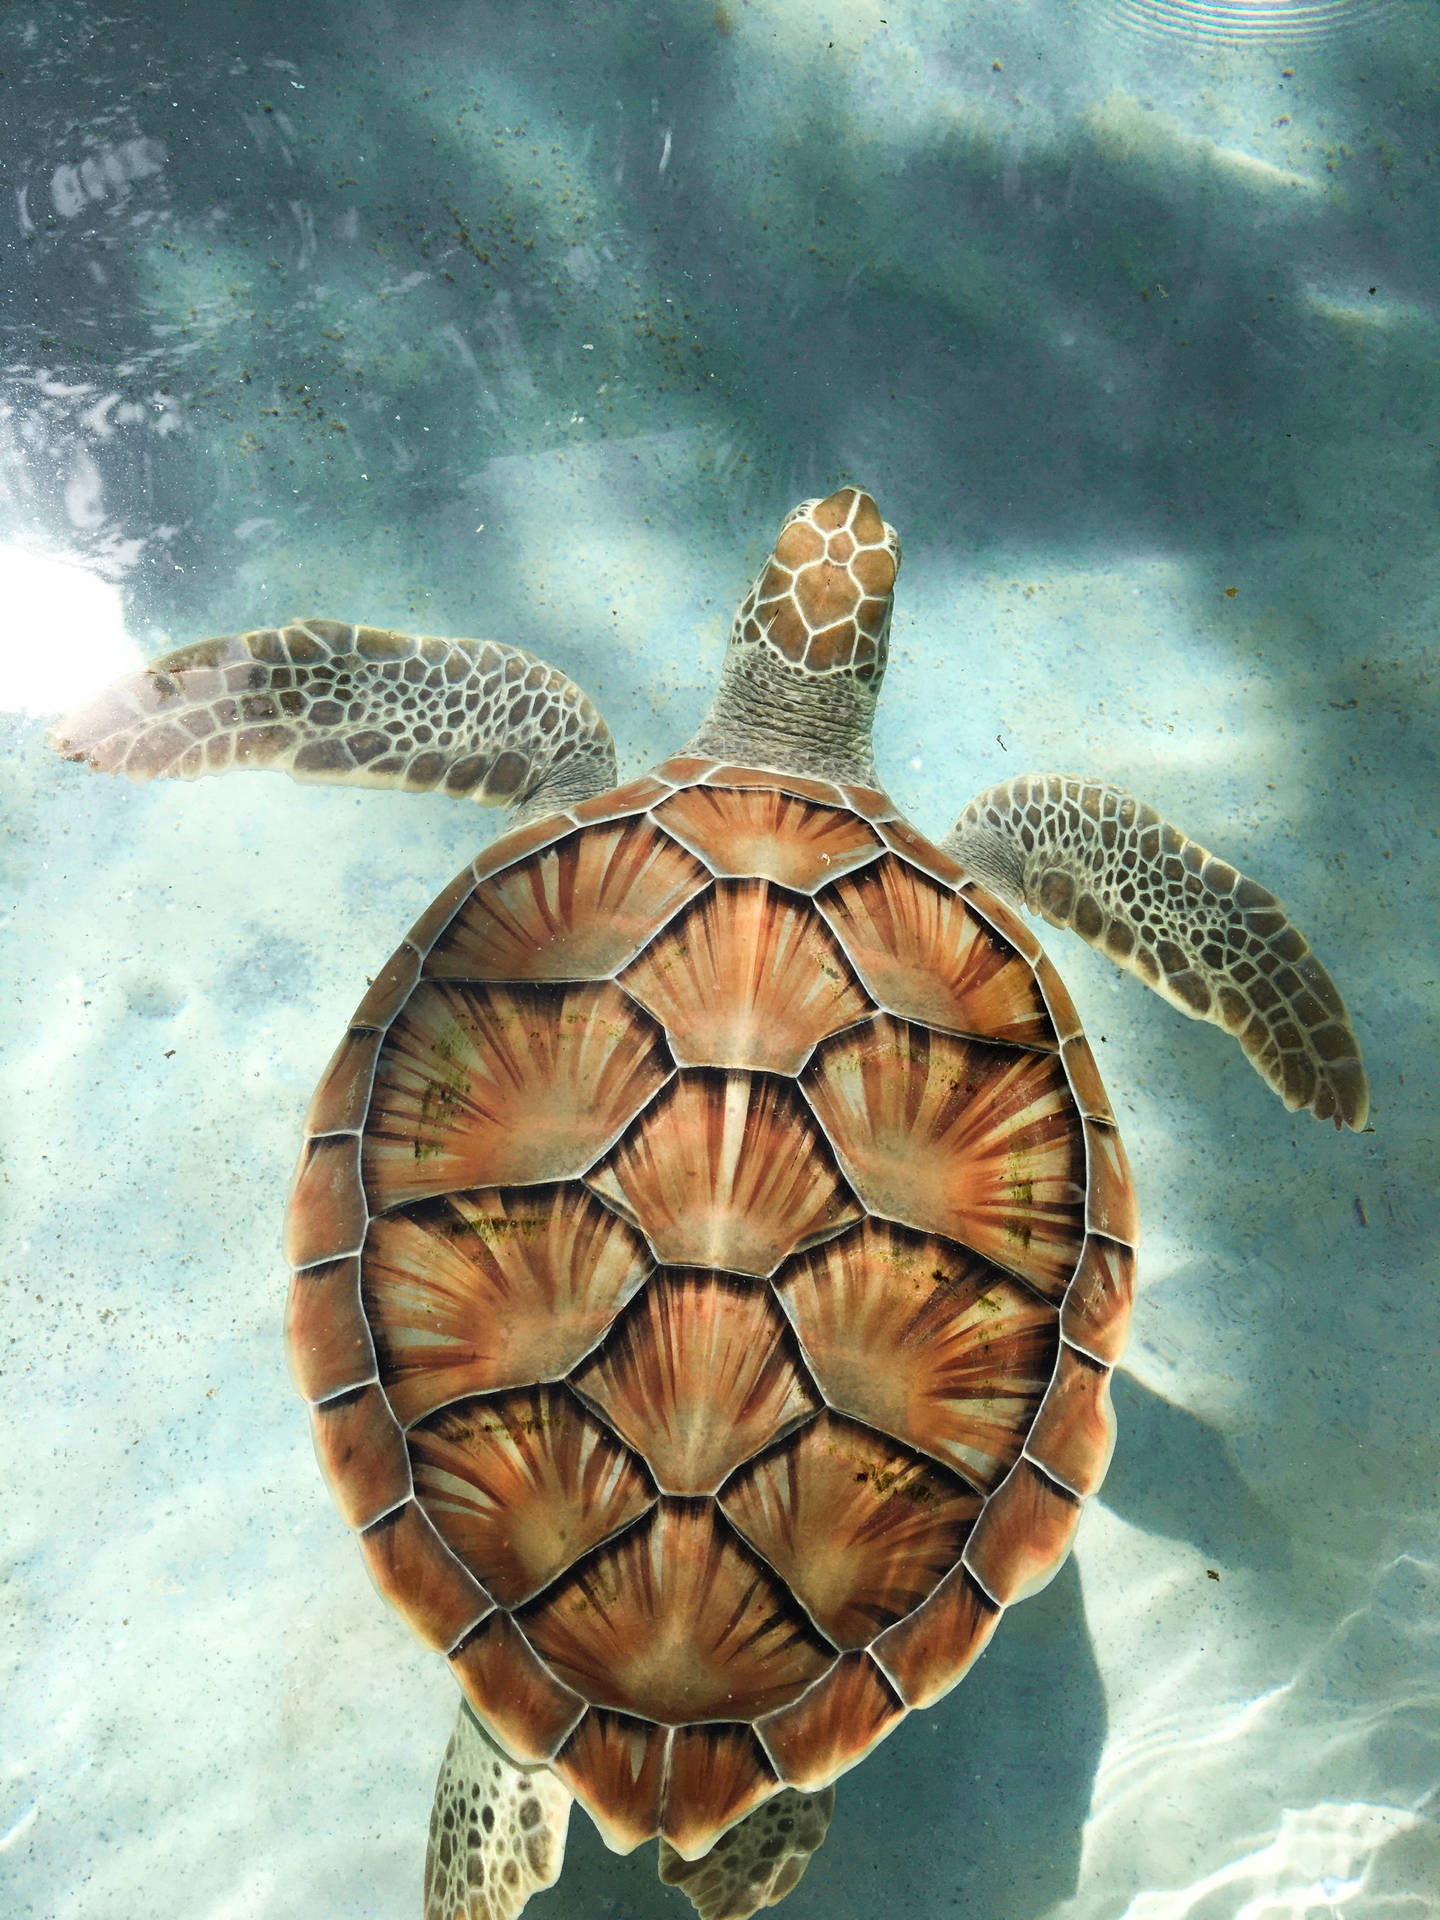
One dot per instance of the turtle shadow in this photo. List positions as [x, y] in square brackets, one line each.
[1175, 1477]
[933, 1822]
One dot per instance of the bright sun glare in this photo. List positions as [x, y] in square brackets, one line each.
[62, 632]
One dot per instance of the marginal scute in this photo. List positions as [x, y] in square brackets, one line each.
[615, 1766]
[389, 989]
[497, 1288]
[764, 831]
[834, 1726]
[677, 1622]
[746, 977]
[339, 1103]
[576, 910]
[326, 1215]
[1023, 1536]
[902, 838]
[958, 1137]
[432, 1592]
[362, 1455]
[697, 1376]
[1095, 1315]
[504, 1085]
[684, 769]
[634, 797]
[1074, 1431]
[858, 1527]
[519, 1486]
[515, 1694]
[820, 791]
[1110, 1205]
[441, 911]
[1085, 1082]
[925, 1341]
[932, 1649]
[717, 1774]
[926, 955]
[326, 1334]
[726, 1171]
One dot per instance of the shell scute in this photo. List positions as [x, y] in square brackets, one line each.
[858, 1527]
[677, 1621]
[729, 1171]
[746, 977]
[697, 1376]
[521, 1485]
[957, 1137]
[498, 1288]
[740, 831]
[575, 910]
[504, 1085]
[925, 954]
[925, 1341]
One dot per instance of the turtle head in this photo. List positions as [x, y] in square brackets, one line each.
[822, 600]
[808, 647]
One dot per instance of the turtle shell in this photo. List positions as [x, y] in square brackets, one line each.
[712, 1242]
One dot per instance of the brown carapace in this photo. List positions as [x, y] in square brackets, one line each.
[712, 1241]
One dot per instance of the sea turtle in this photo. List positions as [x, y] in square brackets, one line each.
[712, 1240]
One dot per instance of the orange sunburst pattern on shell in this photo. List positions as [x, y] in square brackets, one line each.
[495, 1086]
[492, 1289]
[746, 977]
[728, 1171]
[925, 1341]
[834, 1726]
[958, 1137]
[519, 1486]
[717, 1774]
[859, 1528]
[926, 955]
[574, 911]
[697, 1377]
[616, 1767]
[759, 831]
[676, 1621]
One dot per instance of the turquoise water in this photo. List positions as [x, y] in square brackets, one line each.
[531, 323]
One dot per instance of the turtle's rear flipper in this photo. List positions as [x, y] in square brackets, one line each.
[497, 1831]
[321, 700]
[1212, 943]
[757, 1862]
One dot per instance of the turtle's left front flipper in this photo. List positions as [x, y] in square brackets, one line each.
[324, 700]
[1214, 944]
[497, 1831]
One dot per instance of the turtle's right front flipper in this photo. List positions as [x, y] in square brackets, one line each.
[321, 700]
[1213, 943]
